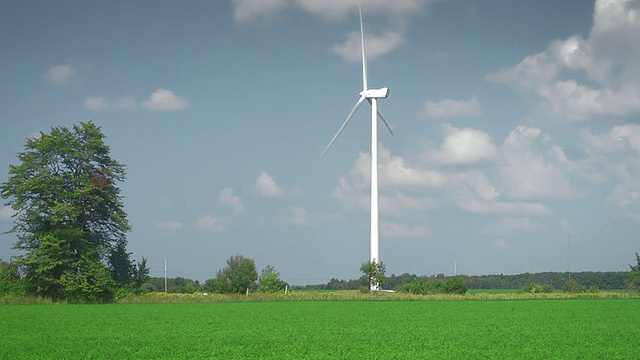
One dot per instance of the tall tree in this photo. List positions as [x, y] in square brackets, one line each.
[239, 275]
[633, 281]
[140, 275]
[270, 281]
[374, 273]
[70, 217]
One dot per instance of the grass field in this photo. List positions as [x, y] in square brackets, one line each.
[524, 329]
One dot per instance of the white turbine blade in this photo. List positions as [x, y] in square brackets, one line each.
[364, 59]
[382, 118]
[385, 122]
[351, 113]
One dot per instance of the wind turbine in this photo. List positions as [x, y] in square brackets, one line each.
[372, 96]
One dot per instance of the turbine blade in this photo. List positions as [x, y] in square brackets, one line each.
[385, 122]
[382, 118]
[351, 113]
[364, 59]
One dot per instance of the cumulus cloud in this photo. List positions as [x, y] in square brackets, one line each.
[300, 216]
[245, 10]
[608, 58]
[448, 108]
[159, 100]
[464, 146]
[527, 173]
[165, 100]
[228, 197]
[60, 75]
[331, 10]
[266, 186]
[169, 225]
[6, 213]
[470, 191]
[350, 50]
[394, 15]
[208, 223]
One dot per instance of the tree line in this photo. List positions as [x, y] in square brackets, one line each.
[608, 280]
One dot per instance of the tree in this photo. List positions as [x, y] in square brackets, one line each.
[374, 273]
[633, 281]
[239, 275]
[455, 285]
[70, 222]
[573, 287]
[270, 280]
[140, 275]
[121, 266]
[10, 281]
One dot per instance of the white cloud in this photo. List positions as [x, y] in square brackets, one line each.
[6, 213]
[472, 192]
[608, 58]
[97, 103]
[159, 100]
[208, 223]
[394, 230]
[300, 216]
[527, 174]
[60, 75]
[332, 10]
[227, 197]
[245, 10]
[448, 108]
[623, 195]
[266, 186]
[469, 191]
[169, 225]
[165, 100]
[392, 172]
[464, 146]
[350, 50]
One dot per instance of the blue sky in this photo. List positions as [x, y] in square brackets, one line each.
[516, 147]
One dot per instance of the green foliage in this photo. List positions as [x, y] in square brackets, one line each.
[69, 214]
[421, 286]
[10, 281]
[573, 287]
[455, 285]
[121, 266]
[534, 288]
[239, 275]
[374, 273]
[177, 285]
[269, 281]
[633, 280]
[140, 275]
[610, 280]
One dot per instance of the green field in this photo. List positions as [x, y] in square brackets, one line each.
[525, 329]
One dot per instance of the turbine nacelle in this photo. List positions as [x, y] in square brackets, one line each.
[381, 93]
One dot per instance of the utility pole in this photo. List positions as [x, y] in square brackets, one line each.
[165, 275]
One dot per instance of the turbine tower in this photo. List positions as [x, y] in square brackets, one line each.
[372, 96]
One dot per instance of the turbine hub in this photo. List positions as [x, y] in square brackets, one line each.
[381, 93]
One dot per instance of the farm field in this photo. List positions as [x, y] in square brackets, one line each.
[516, 329]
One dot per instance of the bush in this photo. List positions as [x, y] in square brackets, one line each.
[534, 288]
[455, 285]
